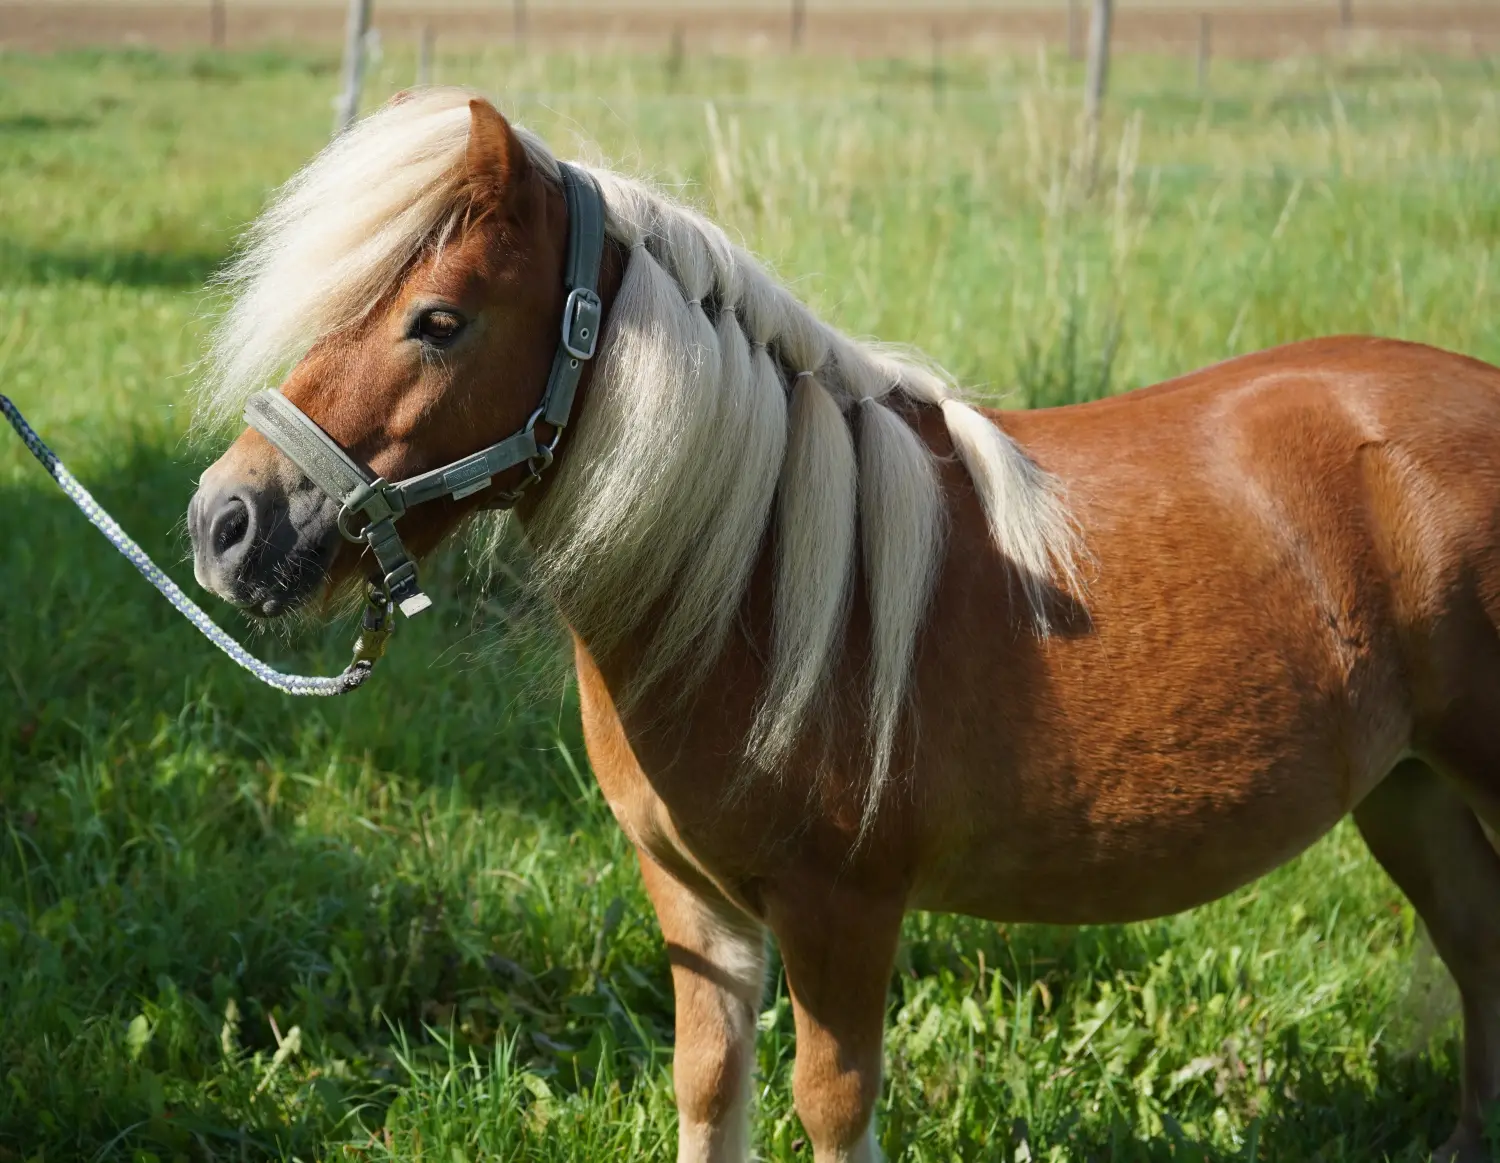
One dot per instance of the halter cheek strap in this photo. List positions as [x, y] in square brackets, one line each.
[382, 503]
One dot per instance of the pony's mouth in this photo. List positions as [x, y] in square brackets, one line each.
[284, 582]
[273, 606]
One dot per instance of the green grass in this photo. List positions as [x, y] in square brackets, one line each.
[403, 925]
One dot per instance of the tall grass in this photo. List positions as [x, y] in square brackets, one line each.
[403, 926]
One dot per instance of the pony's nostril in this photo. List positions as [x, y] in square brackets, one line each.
[230, 526]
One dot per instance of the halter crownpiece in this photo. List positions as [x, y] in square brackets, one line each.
[359, 491]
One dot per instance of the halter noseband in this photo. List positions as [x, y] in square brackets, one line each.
[383, 502]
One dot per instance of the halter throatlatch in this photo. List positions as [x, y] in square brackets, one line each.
[382, 503]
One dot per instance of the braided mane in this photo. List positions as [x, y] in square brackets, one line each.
[722, 409]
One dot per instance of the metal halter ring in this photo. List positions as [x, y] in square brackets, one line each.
[535, 465]
[557, 430]
[543, 458]
[361, 505]
[342, 521]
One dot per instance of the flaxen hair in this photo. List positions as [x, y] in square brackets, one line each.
[721, 409]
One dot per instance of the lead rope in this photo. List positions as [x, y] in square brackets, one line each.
[375, 626]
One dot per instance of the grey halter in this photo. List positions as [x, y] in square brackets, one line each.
[384, 502]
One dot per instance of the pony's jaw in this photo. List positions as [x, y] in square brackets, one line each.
[264, 537]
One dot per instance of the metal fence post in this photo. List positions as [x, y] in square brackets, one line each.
[355, 28]
[1098, 82]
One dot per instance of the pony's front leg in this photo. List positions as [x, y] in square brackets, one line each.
[838, 946]
[718, 958]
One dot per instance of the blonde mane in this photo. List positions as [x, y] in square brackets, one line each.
[721, 408]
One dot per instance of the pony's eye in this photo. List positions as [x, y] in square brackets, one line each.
[437, 327]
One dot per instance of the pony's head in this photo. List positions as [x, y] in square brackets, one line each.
[412, 277]
[441, 345]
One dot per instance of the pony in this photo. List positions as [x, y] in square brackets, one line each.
[848, 645]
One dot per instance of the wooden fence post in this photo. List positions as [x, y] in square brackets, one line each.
[518, 21]
[1075, 31]
[216, 23]
[356, 27]
[799, 22]
[425, 49]
[1346, 13]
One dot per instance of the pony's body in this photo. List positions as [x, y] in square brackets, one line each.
[1284, 609]
[1074, 778]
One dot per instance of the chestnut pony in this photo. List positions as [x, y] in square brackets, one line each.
[847, 646]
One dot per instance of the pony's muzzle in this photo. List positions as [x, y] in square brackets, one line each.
[257, 545]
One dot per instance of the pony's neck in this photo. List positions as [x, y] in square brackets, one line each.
[724, 419]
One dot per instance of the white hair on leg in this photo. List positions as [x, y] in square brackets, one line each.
[739, 961]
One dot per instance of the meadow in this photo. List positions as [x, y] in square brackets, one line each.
[403, 925]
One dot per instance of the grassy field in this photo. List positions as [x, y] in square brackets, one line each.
[403, 925]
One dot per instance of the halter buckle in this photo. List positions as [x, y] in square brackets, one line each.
[378, 501]
[582, 318]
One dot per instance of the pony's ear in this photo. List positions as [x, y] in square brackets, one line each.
[496, 159]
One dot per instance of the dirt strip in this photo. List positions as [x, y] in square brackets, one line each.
[1245, 31]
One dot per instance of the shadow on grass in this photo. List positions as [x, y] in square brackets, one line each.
[1302, 1093]
[1320, 1116]
[174, 839]
[172, 938]
[44, 123]
[90, 644]
[23, 264]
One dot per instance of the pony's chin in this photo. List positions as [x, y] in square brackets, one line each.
[307, 590]
[310, 604]
[271, 608]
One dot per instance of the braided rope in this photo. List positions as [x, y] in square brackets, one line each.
[291, 684]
